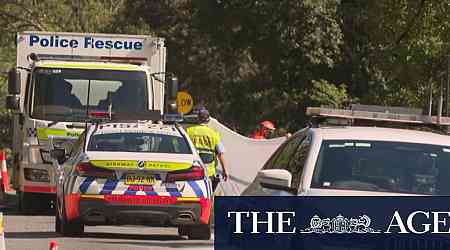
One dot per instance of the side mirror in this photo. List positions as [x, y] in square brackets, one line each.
[12, 102]
[173, 87]
[14, 82]
[278, 179]
[59, 154]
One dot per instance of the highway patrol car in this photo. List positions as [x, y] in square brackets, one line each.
[132, 173]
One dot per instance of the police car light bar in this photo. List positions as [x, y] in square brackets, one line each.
[377, 116]
[132, 60]
[173, 118]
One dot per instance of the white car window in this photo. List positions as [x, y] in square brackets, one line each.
[383, 166]
[139, 142]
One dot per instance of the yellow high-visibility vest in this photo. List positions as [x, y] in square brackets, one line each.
[205, 139]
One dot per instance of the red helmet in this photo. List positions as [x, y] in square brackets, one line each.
[268, 125]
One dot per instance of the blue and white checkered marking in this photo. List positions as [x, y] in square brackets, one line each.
[90, 185]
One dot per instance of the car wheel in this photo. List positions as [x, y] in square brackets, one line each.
[199, 232]
[65, 227]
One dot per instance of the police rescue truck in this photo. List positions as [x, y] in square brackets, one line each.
[62, 78]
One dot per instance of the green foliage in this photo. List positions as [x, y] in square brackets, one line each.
[254, 60]
[327, 94]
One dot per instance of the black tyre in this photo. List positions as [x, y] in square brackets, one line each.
[3, 200]
[31, 203]
[57, 223]
[182, 230]
[28, 203]
[199, 232]
[65, 227]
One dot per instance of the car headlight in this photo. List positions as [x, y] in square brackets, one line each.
[37, 175]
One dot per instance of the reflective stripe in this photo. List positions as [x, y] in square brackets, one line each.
[151, 192]
[109, 186]
[86, 183]
[188, 199]
[173, 191]
[39, 189]
[198, 191]
[44, 133]
[92, 196]
[205, 138]
[133, 164]
[91, 66]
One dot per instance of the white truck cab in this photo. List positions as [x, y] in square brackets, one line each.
[63, 78]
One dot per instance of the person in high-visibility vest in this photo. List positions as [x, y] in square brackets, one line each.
[209, 146]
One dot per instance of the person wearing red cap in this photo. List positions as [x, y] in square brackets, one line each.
[265, 128]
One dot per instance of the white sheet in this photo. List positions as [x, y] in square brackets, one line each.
[244, 157]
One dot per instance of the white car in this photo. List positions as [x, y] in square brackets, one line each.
[133, 173]
[357, 161]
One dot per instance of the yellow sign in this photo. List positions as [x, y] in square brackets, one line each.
[184, 102]
[133, 164]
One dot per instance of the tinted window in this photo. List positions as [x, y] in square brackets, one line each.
[297, 162]
[78, 145]
[139, 142]
[62, 94]
[281, 157]
[383, 166]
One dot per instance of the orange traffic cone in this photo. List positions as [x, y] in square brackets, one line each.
[5, 176]
[53, 245]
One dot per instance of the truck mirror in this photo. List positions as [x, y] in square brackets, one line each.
[14, 82]
[12, 102]
[173, 87]
[59, 154]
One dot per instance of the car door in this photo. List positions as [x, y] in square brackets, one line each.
[63, 170]
[282, 159]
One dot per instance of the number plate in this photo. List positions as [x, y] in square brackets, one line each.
[140, 179]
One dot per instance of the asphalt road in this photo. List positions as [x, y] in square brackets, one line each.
[35, 232]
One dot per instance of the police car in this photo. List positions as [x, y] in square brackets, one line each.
[138, 173]
[359, 160]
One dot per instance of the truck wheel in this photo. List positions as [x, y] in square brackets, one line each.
[27, 203]
[199, 232]
[2, 195]
[182, 230]
[57, 223]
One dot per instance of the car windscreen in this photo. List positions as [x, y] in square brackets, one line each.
[383, 167]
[139, 142]
[67, 94]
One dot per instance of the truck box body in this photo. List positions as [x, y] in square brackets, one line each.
[91, 69]
[94, 46]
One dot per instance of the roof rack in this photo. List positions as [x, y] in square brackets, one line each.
[370, 115]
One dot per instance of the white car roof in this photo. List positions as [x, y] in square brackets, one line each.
[380, 134]
[137, 127]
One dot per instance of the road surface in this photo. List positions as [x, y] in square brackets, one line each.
[35, 232]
